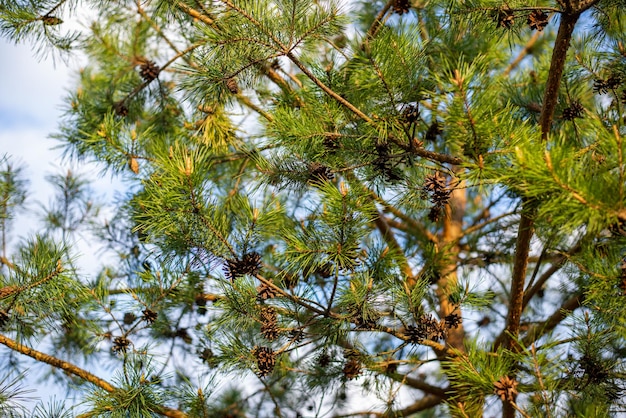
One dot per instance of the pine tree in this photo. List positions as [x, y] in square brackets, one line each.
[423, 200]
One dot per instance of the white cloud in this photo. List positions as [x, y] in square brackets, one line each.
[32, 89]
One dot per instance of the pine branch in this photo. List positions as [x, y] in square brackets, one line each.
[390, 239]
[452, 230]
[477, 227]
[410, 222]
[158, 30]
[376, 24]
[426, 402]
[556, 266]
[536, 331]
[77, 371]
[145, 84]
[435, 156]
[557, 64]
[544, 394]
[419, 384]
[300, 301]
[523, 53]
[248, 103]
[264, 69]
[573, 193]
[55, 362]
[281, 83]
[327, 89]
[195, 14]
[525, 230]
[511, 331]
[522, 249]
[11, 290]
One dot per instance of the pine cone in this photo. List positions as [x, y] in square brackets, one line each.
[415, 334]
[149, 316]
[594, 370]
[296, 335]
[352, 369]
[390, 368]
[51, 20]
[602, 86]
[183, 335]
[250, 264]
[435, 188]
[319, 173]
[129, 318]
[435, 182]
[433, 131]
[484, 321]
[434, 214]
[264, 292]
[383, 165]
[401, 6]
[148, 70]
[322, 360]
[537, 20]
[506, 388]
[324, 271]
[575, 110]
[265, 360]
[614, 81]
[410, 114]
[505, 18]
[207, 357]
[331, 141]
[269, 323]
[200, 302]
[4, 317]
[427, 328]
[120, 109]
[362, 323]
[452, 321]
[120, 344]
[232, 86]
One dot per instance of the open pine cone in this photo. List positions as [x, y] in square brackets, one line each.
[506, 388]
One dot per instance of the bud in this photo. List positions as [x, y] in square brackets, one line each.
[133, 165]
[51, 20]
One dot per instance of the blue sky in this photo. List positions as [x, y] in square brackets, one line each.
[31, 103]
[31, 92]
[30, 96]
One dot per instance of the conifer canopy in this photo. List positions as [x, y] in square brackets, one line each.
[333, 208]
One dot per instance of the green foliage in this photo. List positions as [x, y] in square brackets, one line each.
[406, 197]
[13, 191]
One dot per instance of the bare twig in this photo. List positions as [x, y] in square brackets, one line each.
[556, 266]
[426, 402]
[533, 351]
[378, 21]
[537, 330]
[523, 53]
[419, 384]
